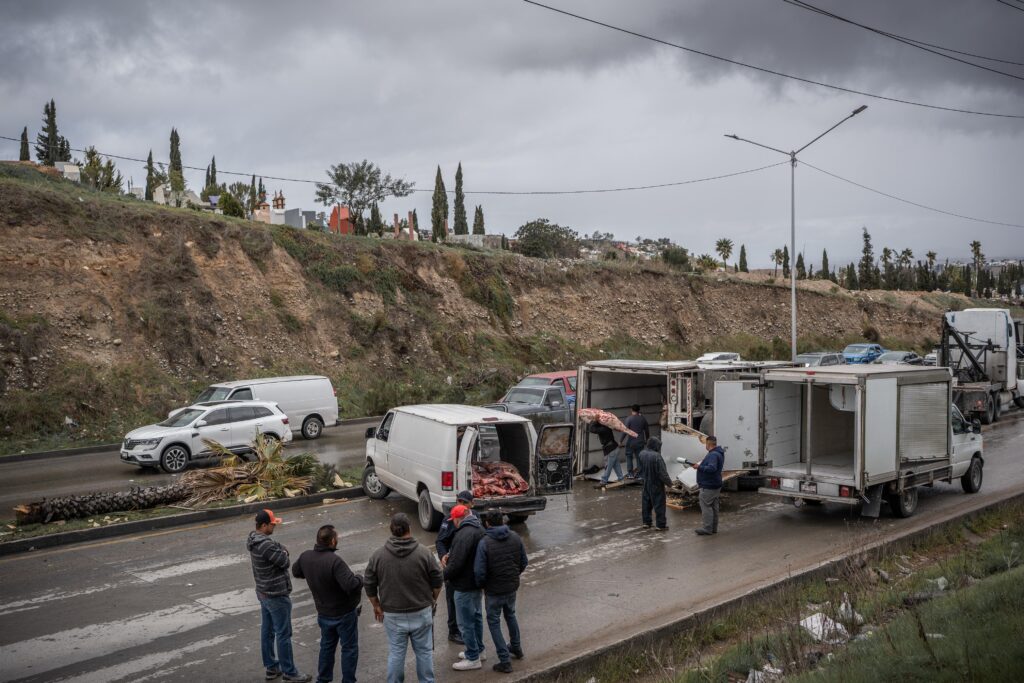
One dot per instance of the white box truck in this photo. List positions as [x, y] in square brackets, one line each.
[851, 434]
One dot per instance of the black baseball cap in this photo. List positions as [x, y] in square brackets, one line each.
[465, 496]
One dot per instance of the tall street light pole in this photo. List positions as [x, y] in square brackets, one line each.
[792, 214]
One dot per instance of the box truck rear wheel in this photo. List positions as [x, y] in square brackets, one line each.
[430, 519]
[988, 415]
[372, 485]
[971, 481]
[904, 504]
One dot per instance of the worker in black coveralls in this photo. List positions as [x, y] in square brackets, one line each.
[655, 476]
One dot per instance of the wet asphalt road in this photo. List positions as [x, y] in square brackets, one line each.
[22, 482]
[178, 605]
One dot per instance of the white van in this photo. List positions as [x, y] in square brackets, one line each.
[428, 453]
[309, 401]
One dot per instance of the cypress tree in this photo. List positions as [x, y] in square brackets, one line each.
[826, 274]
[376, 222]
[461, 226]
[851, 278]
[150, 177]
[743, 259]
[478, 221]
[51, 146]
[252, 194]
[801, 271]
[415, 221]
[23, 154]
[176, 172]
[785, 261]
[212, 182]
[866, 267]
[261, 192]
[439, 210]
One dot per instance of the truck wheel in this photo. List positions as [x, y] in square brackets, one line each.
[1019, 401]
[988, 414]
[997, 409]
[312, 428]
[430, 519]
[904, 504]
[372, 485]
[518, 519]
[971, 481]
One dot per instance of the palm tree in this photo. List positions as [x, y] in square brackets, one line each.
[707, 262]
[931, 255]
[724, 249]
[777, 257]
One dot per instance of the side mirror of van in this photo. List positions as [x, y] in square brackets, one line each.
[371, 432]
[976, 426]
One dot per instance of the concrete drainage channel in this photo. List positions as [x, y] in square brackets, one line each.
[144, 525]
[589, 660]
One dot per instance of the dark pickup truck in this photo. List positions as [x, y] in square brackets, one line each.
[543, 405]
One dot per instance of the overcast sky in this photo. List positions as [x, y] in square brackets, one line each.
[528, 99]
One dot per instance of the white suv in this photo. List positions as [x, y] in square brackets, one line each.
[177, 442]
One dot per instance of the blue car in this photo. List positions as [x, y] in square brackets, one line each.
[862, 353]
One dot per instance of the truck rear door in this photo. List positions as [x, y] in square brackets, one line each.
[463, 466]
[738, 422]
[553, 459]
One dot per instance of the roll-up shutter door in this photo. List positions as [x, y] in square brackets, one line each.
[924, 411]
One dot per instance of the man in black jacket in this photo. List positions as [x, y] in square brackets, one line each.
[500, 559]
[655, 476]
[336, 591]
[443, 545]
[273, 588]
[459, 571]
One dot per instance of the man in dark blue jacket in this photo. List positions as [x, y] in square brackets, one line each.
[500, 559]
[709, 479]
[459, 571]
[443, 545]
[655, 475]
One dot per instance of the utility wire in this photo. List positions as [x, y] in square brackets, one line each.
[1016, 7]
[483, 192]
[912, 203]
[906, 41]
[767, 70]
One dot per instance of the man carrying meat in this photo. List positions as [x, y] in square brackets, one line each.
[611, 451]
[443, 545]
[655, 476]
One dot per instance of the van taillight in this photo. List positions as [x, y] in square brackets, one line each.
[447, 481]
[773, 483]
[844, 491]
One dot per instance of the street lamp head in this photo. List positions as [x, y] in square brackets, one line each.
[859, 109]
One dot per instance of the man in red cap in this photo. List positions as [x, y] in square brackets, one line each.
[459, 571]
[273, 588]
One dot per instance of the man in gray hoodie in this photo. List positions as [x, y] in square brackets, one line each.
[402, 581]
[273, 588]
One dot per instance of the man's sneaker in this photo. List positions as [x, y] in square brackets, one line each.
[273, 674]
[646, 526]
[467, 665]
[517, 652]
[297, 678]
[456, 638]
[702, 532]
[503, 667]
[662, 528]
[482, 657]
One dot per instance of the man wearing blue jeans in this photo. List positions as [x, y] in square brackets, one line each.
[336, 592]
[611, 451]
[402, 581]
[458, 570]
[634, 444]
[500, 559]
[273, 588]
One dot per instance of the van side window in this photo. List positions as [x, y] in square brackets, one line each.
[385, 427]
[242, 395]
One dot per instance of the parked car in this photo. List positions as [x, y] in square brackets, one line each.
[178, 441]
[718, 355]
[563, 378]
[310, 402]
[428, 453]
[813, 359]
[931, 358]
[899, 358]
[543, 404]
[862, 353]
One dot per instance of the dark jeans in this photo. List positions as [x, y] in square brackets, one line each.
[653, 499]
[631, 453]
[496, 606]
[276, 628]
[343, 629]
[453, 619]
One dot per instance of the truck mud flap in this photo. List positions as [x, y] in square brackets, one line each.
[872, 502]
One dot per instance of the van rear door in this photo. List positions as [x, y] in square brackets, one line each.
[463, 466]
[738, 422]
[553, 460]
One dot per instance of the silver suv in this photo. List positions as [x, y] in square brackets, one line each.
[177, 442]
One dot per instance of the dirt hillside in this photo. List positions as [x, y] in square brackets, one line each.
[113, 310]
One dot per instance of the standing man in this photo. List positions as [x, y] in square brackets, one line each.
[336, 592]
[459, 571]
[273, 588]
[655, 476]
[611, 451]
[402, 581]
[634, 444]
[709, 479]
[500, 559]
[443, 545]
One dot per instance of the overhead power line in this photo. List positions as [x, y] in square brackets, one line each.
[766, 70]
[901, 39]
[1010, 4]
[912, 203]
[481, 192]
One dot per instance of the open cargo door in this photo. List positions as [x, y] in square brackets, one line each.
[553, 470]
[738, 422]
[880, 418]
[463, 466]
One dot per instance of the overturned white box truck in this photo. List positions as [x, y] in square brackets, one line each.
[851, 434]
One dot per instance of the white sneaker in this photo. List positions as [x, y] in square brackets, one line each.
[467, 665]
[482, 657]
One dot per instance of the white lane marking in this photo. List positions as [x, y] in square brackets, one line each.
[187, 568]
[41, 600]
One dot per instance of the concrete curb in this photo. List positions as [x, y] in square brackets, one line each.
[623, 647]
[100, 448]
[185, 518]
